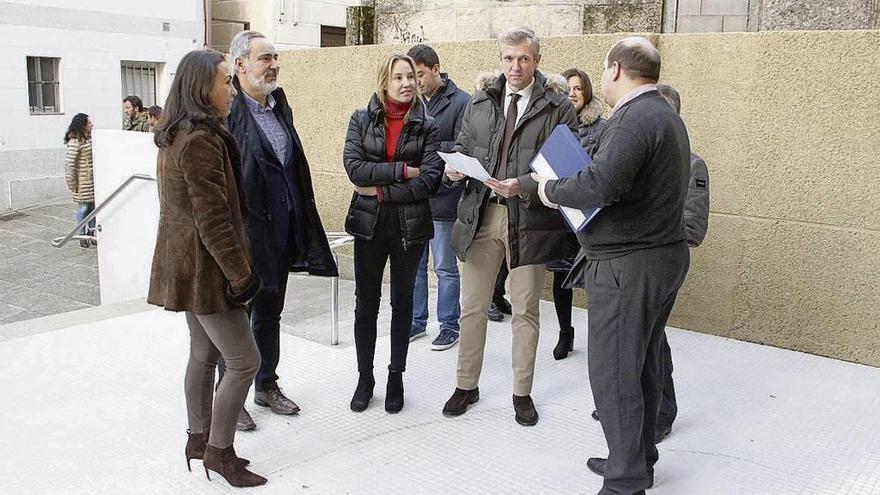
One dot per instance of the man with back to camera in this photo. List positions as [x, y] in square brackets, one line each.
[445, 102]
[634, 255]
[284, 228]
[503, 127]
[696, 223]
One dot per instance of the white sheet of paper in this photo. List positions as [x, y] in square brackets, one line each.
[467, 165]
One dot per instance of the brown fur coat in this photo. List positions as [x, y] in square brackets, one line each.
[202, 246]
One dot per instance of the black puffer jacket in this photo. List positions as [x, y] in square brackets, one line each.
[365, 164]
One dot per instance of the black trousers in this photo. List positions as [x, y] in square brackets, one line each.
[369, 265]
[499, 292]
[562, 300]
[631, 298]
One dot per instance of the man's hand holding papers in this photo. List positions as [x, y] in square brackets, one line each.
[463, 165]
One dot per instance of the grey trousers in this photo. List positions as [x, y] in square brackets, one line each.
[212, 336]
[668, 404]
[630, 300]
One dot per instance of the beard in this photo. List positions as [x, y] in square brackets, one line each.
[260, 83]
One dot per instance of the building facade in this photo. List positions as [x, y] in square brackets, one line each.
[63, 58]
[402, 21]
[291, 24]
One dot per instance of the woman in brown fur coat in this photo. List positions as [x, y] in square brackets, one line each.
[201, 264]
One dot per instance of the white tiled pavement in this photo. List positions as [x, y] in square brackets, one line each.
[98, 408]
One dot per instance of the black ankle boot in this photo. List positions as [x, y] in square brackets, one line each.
[394, 392]
[564, 346]
[363, 393]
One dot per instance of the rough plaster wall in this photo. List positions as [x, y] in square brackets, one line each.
[784, 122]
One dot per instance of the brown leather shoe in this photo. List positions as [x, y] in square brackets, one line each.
[224, 463]
[244, 422]
[195, 448]
[526, 414]
[460, 400]
[275, 400]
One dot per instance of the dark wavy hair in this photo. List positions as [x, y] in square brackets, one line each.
[586, 85]
[77, 128]
[135, 101]
[188, 106]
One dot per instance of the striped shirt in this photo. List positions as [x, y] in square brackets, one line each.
[271, 127]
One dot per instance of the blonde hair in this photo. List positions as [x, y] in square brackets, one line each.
[383, 76]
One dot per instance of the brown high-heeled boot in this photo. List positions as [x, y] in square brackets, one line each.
[195, 448]
[224, 463]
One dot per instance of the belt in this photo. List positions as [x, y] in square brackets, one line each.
[498, 200]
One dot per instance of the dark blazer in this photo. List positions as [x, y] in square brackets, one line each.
[536, 233]
[266, 183]
[366, 165]
[447, 109]
[201, 246]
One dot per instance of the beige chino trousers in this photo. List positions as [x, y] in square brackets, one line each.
[525, 286]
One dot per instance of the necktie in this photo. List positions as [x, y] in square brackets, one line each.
[509, 125]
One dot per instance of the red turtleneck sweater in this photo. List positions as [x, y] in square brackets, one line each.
[395, 112]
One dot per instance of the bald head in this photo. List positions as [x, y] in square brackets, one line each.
[637, 58]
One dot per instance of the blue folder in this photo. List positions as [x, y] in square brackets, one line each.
[562, 155]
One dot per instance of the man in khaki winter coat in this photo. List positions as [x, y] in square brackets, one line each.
[136, 118]
[503, 127]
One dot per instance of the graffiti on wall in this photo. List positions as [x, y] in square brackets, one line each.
[403, 34]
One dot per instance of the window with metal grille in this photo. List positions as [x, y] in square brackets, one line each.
[139, 79]
[44, 85]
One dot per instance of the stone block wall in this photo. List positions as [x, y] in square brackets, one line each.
[405, 21]
[695, 16]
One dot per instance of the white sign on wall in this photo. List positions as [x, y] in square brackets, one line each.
[128, 224]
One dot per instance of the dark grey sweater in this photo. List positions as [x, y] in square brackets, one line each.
[639, 177]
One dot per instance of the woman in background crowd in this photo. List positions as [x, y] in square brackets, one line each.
[590, 125]
[79, 171]
[201, 264]
[391, 157]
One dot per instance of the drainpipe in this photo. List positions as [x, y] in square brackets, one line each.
[295, 14]
[208, 27]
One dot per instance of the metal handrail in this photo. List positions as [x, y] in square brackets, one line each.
[336, 240]
[60, 241]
